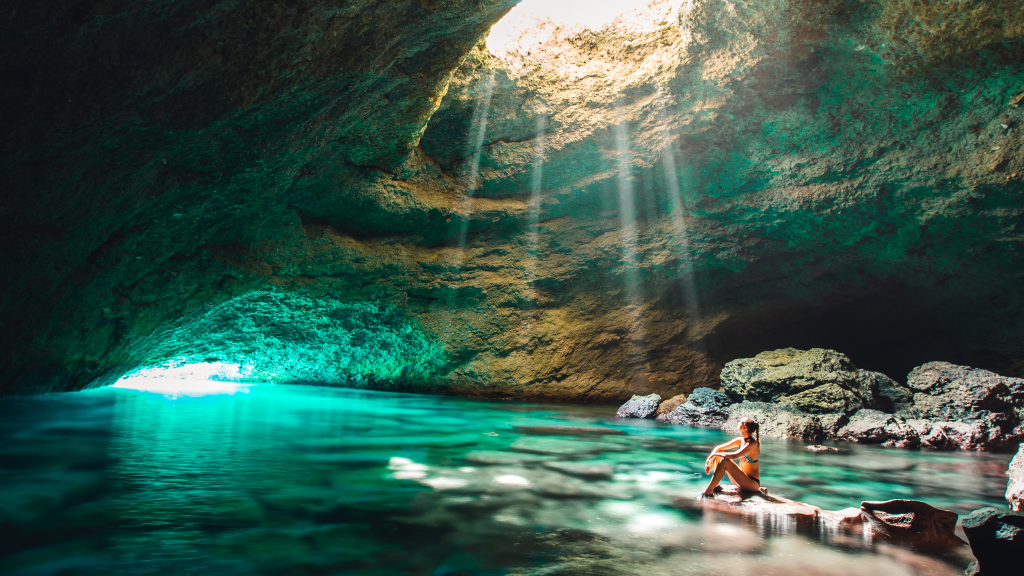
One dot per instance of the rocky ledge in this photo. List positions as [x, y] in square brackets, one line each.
[819, 394]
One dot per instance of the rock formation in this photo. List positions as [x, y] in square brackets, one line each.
[913, 523]
[819, 394]
[996, 538]
[704, 407]
[639, 407]
[1015, 485]
[643, 205]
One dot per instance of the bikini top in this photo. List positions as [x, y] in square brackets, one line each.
[747, 458]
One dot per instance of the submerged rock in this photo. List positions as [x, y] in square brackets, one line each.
[1015, 486]
[569, 431]
[705, 407]
[820, 449]
[997, 539]
[913, 522]
[639, 407]
[816, 381]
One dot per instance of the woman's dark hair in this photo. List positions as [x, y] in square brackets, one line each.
[752, 428]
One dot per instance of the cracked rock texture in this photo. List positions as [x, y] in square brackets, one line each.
[643, 204]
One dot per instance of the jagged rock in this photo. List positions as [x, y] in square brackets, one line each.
[671, 404]
[705, 407]
[997, 539]
[913, 522]
[947, 392]
[1015, 486]
[639, 407]
[961, 407]
[785, 421]
[815, 381]
[875, 427]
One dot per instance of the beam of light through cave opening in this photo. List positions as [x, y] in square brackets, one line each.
[637, 347]
[478, 132]
[533, 232]
[691, 298]
[474, 149]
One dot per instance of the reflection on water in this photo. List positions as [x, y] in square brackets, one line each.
[303, 480]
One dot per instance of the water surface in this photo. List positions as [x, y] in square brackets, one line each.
[306, 480]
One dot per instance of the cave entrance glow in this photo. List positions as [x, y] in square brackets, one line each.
[534, 21]
[188, 379]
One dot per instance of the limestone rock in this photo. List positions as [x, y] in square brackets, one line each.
[997, 539]
[875, 427]
[671, 404]
[705, 407]
[1015, 486]
[815, 381]
[639, 407]
[944, 391]
[784, 421]
[914, 523]
[958, 406]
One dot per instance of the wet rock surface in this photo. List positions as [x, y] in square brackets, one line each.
[1015, 485]
[809, 174]
[913, 523]
[996, 538]
[671, 404]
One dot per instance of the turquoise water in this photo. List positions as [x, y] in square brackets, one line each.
[306, 480]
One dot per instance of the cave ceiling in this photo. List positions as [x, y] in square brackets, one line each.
[596, 214]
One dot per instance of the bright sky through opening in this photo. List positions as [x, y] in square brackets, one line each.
[592, 14]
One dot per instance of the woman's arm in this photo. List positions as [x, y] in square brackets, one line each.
[717, 450]
[744, 448]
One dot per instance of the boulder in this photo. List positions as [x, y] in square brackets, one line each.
[671, 404]
[947, 392]
[997, 539]
[639, 407]
[1015, 486]
[914, 523]
[705, 407]
[815, 381]
[875, 427]
[961, 407]
[784, 421]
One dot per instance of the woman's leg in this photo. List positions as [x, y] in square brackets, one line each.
[736, 476]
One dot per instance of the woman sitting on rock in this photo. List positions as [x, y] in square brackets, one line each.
[744, 473]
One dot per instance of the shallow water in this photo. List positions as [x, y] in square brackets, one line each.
[305, 480]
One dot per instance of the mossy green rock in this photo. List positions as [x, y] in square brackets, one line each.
[814, 381]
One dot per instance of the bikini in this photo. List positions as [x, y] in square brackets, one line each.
[746, 458]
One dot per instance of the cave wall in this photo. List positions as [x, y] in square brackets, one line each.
[831, 174]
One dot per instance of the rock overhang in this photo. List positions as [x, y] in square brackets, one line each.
[827, 176]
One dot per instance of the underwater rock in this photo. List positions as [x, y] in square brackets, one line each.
[705, 407]
[569, 431]
[997, 539]
[499, 458]
[875, 427]
[815, 381]
[819, 448]
[671, 404]
[1015, 485]
[914, 523]
[639, 407]
[784, 421]
[585, 470]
